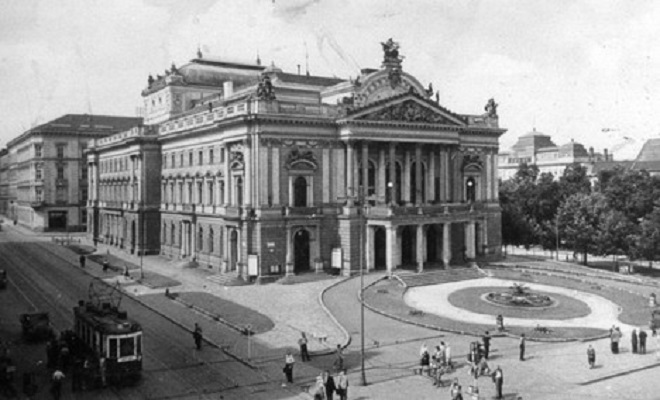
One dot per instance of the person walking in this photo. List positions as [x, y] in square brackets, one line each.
[197, 336]
[498, 379]
[289, 361]
[342, 385]
[522, 347]
[486, 339]
[642, 341]
[56, 384]
[82, 260]
[591, 356]
[302, 343]
[329, 384]
[633, 341]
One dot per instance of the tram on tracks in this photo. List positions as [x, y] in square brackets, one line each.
[107, 335]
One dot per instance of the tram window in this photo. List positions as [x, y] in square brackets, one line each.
[127, 347]
[112, 350]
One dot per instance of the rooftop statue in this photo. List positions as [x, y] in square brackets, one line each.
[391, 50]
[491, 108]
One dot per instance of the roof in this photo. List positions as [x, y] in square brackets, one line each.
[83, 123]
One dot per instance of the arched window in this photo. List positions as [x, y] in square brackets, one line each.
[470, 190]
[300, 192]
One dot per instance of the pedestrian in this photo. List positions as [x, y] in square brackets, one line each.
[102, 372]
[498, 379]
[591, 356]
[288, 367]
[642, 341]
[330, 387]
[304, 353]
[342, 385]
[455, 390]
[82, 260]
[522, 347]
[633, 341]
[56, 384]
[339, 359]
[197, 336]
[319, 388]
[486, 340]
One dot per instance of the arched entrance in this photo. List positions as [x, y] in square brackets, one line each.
[380, 258]
[301, 251]
[408, 247]
[233, 250]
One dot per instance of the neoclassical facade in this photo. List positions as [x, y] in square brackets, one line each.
[124, 190]
[287, 173]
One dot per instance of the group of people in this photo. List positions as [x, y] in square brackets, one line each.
[327, 386]
[437, 363]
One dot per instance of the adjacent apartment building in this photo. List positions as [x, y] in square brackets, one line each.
[43, 174]
[265, 173]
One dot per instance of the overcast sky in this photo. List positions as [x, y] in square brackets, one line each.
[587, 70]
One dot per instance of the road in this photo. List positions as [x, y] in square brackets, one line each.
[42, 277]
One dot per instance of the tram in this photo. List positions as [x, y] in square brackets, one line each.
[106, 332]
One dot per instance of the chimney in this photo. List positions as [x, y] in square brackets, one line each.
[228, 88]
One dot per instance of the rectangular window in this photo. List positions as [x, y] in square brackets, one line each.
[37, 150]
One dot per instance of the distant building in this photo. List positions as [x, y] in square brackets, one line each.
[269, 173]
[648, 158]
[46, 177]
[536, 148]
[124, 190]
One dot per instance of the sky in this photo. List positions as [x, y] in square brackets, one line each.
[587, 70]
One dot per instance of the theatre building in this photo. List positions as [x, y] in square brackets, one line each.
[124, 190]
[266, 173]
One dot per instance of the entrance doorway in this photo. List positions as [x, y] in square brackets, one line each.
[380, 257]
[57, 220]
[301, 251]
[408, 247]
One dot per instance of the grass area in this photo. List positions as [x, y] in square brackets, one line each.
[564, 308]
[229, 311]
[635, 310]
[387, 297]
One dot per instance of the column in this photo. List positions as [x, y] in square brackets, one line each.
[393, 188]
[227, 177]
[419, 243]
[446, 244]
[247, 171]
[350, 189]
[430, 175]
[289, 252]
[470, 231]
[418, 175]
[390, 242]
[365, 170]
[406, 178]
[382, 185]
[369, 247]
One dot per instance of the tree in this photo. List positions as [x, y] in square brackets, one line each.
[580, 218]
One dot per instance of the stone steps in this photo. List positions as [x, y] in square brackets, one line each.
[438, 277]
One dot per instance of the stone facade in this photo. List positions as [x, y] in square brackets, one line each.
[124, 190]
[293, 173]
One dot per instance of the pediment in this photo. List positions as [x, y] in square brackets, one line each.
[410, 110]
